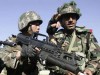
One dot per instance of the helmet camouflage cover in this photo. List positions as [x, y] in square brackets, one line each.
[28, 17]
[69, 8]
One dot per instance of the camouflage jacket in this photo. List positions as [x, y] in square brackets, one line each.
[83, 43]
[8, 54]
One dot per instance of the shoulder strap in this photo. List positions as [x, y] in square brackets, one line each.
[72, 42]
[87, 45]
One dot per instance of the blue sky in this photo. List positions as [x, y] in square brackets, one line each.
[10, 11]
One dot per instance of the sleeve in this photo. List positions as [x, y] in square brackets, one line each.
[94, 54]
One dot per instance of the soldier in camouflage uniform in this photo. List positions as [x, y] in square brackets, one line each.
[75, 39]
[29, 23]
[16, 59]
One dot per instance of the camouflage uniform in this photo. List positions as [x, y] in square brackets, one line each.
[8, 56]
[80, 47]
[81, 41]
[27, 64]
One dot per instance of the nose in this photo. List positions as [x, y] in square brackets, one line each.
[70, 18]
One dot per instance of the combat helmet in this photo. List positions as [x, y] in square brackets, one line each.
[69, 8]
[28, 17]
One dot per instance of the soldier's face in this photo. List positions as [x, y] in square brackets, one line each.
[69, 21]
[35, 27]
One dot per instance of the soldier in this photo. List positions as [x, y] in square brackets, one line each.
[75, 39]
[29, 23]
[16, 60]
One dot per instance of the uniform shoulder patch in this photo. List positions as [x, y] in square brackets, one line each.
[83, 29]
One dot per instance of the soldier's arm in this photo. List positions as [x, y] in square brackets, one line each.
[94, 54]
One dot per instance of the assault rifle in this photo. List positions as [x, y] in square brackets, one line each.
[8, 43]
[51, 53]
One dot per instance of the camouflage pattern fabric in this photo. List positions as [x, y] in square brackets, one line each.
[79, 46]
[3, 72]
[8, 55]
[26, 18]
[69, 8]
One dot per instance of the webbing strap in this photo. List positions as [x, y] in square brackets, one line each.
[72, 42]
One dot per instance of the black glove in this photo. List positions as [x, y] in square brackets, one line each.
[28, 51]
